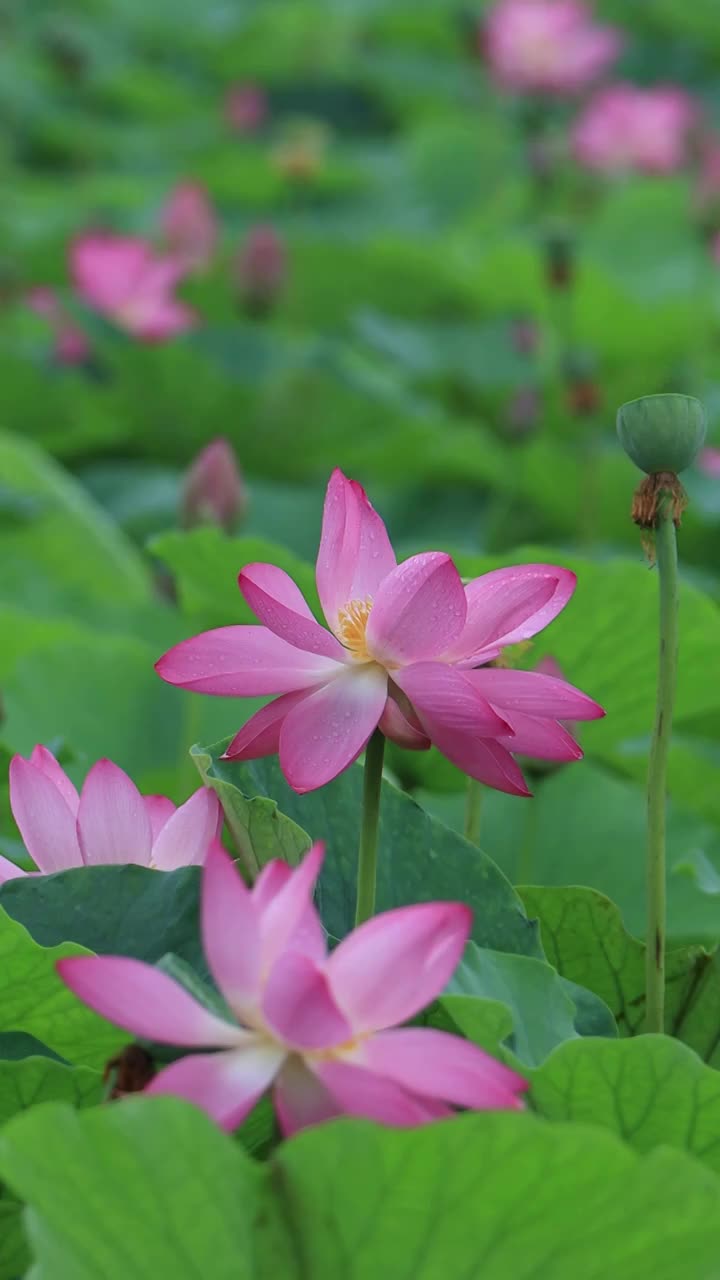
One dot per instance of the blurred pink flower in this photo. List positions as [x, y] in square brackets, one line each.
[320, 1029]
[261, 266]
[189, 226]
[625, 128]
[109, 822]
[214, 490]
[246, 107]
[547, 46]
[123, 278]
[709, 459]
[70, 345]
[401, 655]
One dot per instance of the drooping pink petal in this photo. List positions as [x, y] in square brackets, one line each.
[186, 837]
[509, 605]
[230, 932]
[445, 700]
[260, 735]
[242, 662]
[300, 1099]
[299, 1007]
[46, 762]
[279, 604]
[359, 1092]
[46, 823]
[145, 1001]
[440, 1065]
[287, 916]
[400, 728]
[113, 823]
[227, 1084]
[326, 732]
[534, 694]
[159, 810]
[355, 552]
[105, 268]
[419, 610]
[389, 968]
[542, 738]
[10, 870]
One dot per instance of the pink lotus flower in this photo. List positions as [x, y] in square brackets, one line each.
[547, 46]
[123, 278]
[315, 1027]
[261, 266]
[109, 822]
[709, 460]
[624, 128]
[189, 226]
[214, 491]
[70, 345]
[402, 653]
[246, 107]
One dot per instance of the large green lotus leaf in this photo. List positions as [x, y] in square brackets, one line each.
[585, 939]
[440, 1197]
[34, 1000]
[544, 1009]
[24, 1084]
[69, 539]
[419, 859]
[163, 1193]
[488, 1195]
[124, 910]
[651, 1091]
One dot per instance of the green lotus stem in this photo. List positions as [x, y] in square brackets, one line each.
[367, 854]
[667, 563]
[473, 809]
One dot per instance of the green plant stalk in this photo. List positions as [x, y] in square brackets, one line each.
[473, 810]
[667, 563]
[367, 854]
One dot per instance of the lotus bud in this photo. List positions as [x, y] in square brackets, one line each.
[214, 490]
[261, 268]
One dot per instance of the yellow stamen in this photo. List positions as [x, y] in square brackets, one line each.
[353, 622]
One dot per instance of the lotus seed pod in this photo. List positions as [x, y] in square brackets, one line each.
[662, 432]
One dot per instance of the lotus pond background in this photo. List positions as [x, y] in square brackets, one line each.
[415, 335]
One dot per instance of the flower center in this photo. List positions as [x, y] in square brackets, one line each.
[352, 626]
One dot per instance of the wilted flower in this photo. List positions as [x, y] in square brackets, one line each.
[321, 1030]
[626, 128]
[70, 344]
[401, 655]
[123, 278]
[246, 107]
[189, 226]
[109, 822]
[261, 267]
[213, 489]
[547, 46]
